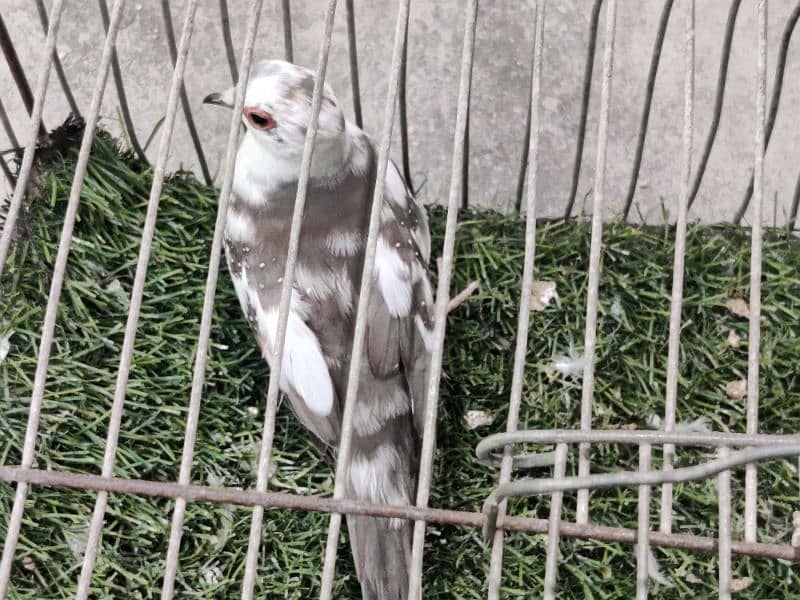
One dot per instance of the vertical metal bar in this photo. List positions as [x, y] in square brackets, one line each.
[724, 499]
[201, 359]
[775, 99]
[7, 127]
[648, 100]
[523, 161]
[676, 303]
[36, 122]
[590, 338]
[135, 304]
[523, 318]
[352, 47]
[251, 561]
[62, 78]
[587, 92]
[553, 526]
[359, 331]
[121, 95]
[754, 332]
[48, 327]
[286, 14]
[442, 298]
[225, 21]
[187, 110]
[18, 73]
[718, 98]
[643, 527]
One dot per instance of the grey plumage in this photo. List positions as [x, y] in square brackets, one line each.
[388, 412]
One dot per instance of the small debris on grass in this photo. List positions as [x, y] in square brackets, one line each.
[543, 293]
[477, 418]
[736, 390]
[77, 540]
[796, 534]
[114, 286]
[741, 583]
[698, 425]
[734, 339]
[571, 365]
[28, 563]
[692, 578]
[253, 410]
[739, 307]
[212, 575]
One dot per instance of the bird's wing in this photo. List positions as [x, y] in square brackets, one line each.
[401, 305]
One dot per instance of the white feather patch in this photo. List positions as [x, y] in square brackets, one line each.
[393, 279]
[371, 415]
[344, 243]
[395, 186]
[373, 479]
[304, 366]
[239, 227]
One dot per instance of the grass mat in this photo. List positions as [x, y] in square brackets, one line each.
[631, 373]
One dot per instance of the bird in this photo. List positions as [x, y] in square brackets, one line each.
[388, 411]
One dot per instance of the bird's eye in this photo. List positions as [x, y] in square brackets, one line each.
[259, 119]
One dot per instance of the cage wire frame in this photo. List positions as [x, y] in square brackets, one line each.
[497, 450]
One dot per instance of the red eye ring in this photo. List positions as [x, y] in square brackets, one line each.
[259, 118]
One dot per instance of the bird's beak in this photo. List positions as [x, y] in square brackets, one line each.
[222, 99]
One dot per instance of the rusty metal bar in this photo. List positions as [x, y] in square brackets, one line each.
[187, 109]
[590, 337]
[126, 356]
[201, 359]
[648, 100]
[48, 327]
[254, 542]
[198, 493]
[457, 188]
[524, 315]
[679, 261]
[367, 279]
[554, 526]
[18, 73]
[719, 96]
[775, 99]
[62, 78]
[643, 527]
[594, 20]
[225, 22]
[754, 331]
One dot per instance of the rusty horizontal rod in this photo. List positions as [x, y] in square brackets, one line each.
[200, 493]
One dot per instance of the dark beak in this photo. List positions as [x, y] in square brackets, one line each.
[218, 99]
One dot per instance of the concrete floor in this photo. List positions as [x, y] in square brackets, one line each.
[501, 79]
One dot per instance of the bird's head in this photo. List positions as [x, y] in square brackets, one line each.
[277, 109]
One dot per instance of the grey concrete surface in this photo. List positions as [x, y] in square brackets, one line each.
[501, 76]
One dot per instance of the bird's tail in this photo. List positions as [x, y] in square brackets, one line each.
[382, 554]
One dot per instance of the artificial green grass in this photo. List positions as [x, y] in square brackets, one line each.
[632, 348]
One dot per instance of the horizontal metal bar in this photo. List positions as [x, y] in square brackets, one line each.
[532, 487]
[199, 493]
[715, 439]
